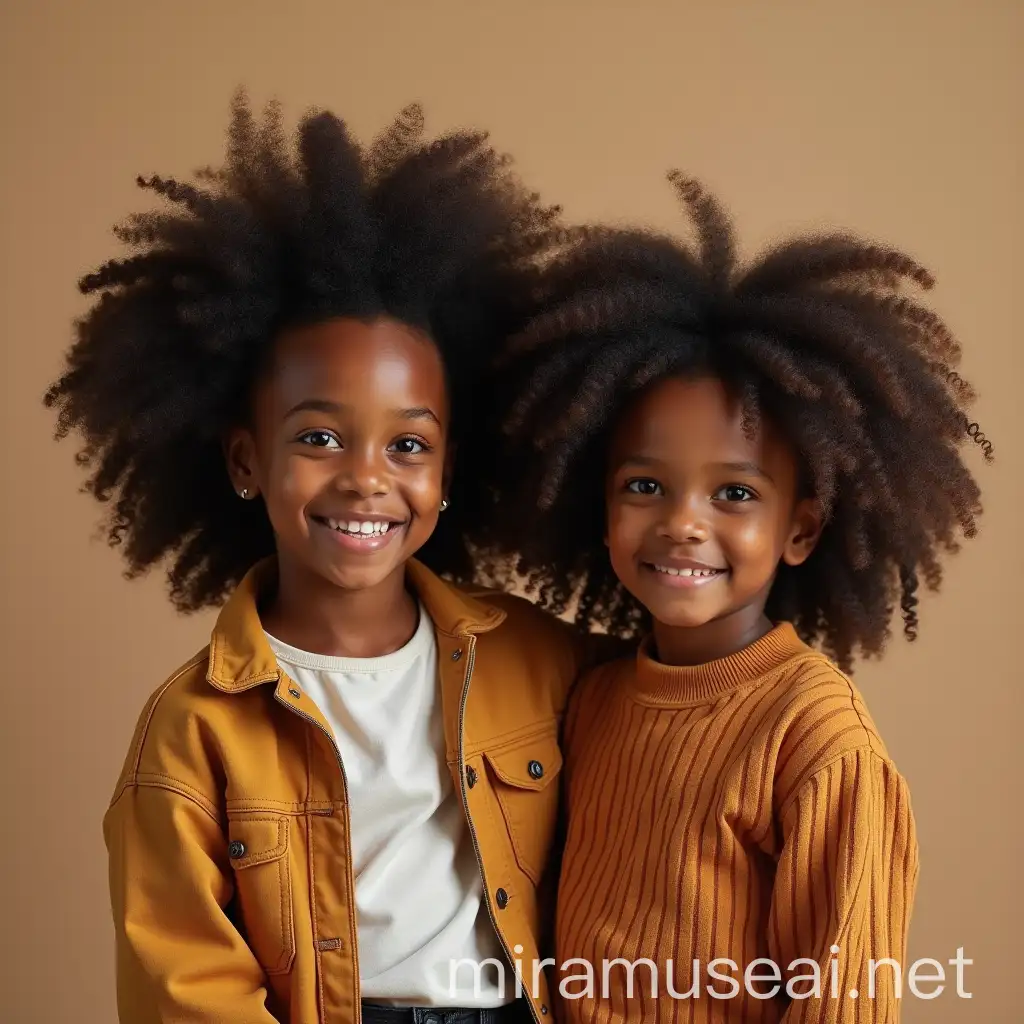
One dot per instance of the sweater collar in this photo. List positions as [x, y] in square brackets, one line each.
[675, 685]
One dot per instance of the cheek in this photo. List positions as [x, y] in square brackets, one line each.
[423, 490]
[626, 527]
[295, 481]
[750, 538]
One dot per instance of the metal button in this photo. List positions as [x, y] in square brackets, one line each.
[456, 654]
[470, 776]
[294, 691]
[236, 849]
[536, 770]
[544, 1010]
[501, 898]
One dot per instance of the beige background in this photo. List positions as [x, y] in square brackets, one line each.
[900, 119]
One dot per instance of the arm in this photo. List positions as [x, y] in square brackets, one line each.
[846, 877]
[179, 957]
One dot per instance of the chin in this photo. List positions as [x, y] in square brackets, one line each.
[682, 619]
[357, 577]
[685, 613]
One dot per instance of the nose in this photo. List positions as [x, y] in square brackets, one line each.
[686, 522]
[364, 472]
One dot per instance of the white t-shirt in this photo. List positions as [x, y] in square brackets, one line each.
[419, 898]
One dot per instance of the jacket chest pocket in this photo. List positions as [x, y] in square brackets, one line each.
[525, 781]
[258, 848]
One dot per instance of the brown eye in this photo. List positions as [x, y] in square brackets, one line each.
[734, 493]
[409, 446]
[320, 439]
[643, 486]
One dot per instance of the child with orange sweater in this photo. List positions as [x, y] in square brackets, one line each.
[750, 462]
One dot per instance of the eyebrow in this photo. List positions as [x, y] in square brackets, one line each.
[750, 468]
[637, 460]
[419, 412]
[744, 467]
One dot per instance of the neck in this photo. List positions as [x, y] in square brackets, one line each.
[312, 614]
[682, 645]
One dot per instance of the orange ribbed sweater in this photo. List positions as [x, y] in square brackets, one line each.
[741, 809]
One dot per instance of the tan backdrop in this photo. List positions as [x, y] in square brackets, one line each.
[897, 119]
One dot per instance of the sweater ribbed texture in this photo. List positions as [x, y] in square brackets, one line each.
[741, 809]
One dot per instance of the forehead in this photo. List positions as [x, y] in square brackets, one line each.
[358, 364]
[683, 421]
[678, 413]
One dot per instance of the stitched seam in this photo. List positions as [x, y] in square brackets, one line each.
[498, 826]
[157, 697]
[249, 804]
[860, 715]
[511, 740]
[314, 920]
[244, 683]
[282, 953]
[859, 749]
[287, 926]
[533, 785]
[152, 781]
[267, 855]
[533, 871]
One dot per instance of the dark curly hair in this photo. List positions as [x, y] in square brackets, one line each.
[815, 335]
[440, 235]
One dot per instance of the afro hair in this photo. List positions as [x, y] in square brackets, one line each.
[816, 334]
[440, 235]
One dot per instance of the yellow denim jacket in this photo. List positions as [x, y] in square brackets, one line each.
[228, 834]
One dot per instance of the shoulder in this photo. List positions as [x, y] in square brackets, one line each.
[821, 718]
[168, 744]
[605, 677]
[522, 622]
[530, 640]
[523, 619]
[522, 615]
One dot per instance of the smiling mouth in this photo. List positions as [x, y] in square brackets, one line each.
[698, 573]
[359, 527]
[686, 577]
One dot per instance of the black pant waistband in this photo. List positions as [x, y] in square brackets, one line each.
[513, 1013]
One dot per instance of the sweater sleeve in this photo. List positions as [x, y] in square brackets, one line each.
[846, 878]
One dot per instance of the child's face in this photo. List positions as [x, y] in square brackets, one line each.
[347, 447]
[699, 516]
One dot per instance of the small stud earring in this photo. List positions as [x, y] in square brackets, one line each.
[444, 504]
[245, 493]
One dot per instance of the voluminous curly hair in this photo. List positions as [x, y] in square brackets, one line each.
[816, 335]
[439, 235]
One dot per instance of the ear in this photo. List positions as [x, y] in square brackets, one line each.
[804, 533]
[240, 456]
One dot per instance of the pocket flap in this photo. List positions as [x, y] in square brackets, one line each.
[258, 840]
[530, 764]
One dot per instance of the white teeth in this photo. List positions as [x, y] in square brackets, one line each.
[355, 527]
[686, 572]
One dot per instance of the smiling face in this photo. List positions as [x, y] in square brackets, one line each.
[347, 446]
[699, 516]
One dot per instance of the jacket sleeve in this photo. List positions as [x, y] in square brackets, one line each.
[179, 957]
[846, 879]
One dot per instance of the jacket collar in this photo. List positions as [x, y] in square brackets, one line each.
[240, 656]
